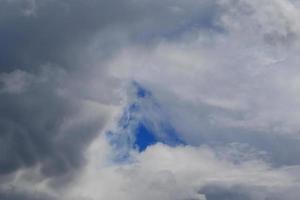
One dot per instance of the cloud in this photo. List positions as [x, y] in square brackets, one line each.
[37, 124]
[15, 82]
[56, 95]
[230, 86]
[219, 76]
[182, 172]
[61, 32]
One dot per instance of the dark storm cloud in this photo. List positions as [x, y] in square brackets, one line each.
[37, 32]
[34, 34]
[31, 133]
[12, 195]
[52, 30]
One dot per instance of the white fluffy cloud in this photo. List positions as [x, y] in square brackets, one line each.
[182, 172]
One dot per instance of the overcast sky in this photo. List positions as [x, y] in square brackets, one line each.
[149, 99]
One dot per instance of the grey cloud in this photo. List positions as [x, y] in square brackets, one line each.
[15, 82]
[11, 194]
[223, 193]
[54, 31]
[56, 90]
[244, 192]
[58, 31]
[43, 129]
[58, 34]
[52, 75]
[31, 123]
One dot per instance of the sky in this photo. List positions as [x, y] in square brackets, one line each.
[149, 99]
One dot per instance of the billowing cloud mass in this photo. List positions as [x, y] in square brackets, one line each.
[140, 99]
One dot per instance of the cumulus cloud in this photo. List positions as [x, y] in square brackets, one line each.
[213, 84]
[182, 172]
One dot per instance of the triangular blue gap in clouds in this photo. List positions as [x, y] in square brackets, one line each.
[137, 130]
[144, 132]
[144, 137]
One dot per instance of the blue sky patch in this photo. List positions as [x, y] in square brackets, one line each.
[137, 130]
[144, 137]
